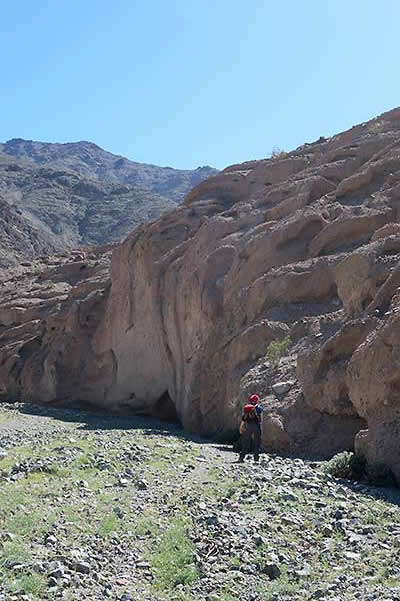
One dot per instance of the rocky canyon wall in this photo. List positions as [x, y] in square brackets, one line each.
[304, 245]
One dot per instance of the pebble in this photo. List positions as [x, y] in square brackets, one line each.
[81, 566]
[272, 570]
[142, 484]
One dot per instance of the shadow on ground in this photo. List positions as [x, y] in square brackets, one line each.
[390, 494]
[91, 419]
[95, 419]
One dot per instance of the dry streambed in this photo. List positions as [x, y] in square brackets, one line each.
[97, 507]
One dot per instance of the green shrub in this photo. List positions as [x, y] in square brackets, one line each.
[173, 563]
[353, 467]
[146, 525]
[276, 349]
[30, 584]
[15, 551]
[376, 127]
[346, 465]
[108, 525]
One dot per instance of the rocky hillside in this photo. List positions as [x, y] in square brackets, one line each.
[60, 196]
[90, 161]
[19, 237]
[278, 276]
[59, 209]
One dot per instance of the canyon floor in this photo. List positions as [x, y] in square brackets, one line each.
[94, 507]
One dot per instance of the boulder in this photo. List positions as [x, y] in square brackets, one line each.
[282, 387]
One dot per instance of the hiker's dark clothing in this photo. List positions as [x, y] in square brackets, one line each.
[251, 439]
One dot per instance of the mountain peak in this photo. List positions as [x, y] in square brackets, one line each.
[90, 160]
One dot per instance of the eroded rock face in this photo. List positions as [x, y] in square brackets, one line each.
[19, 239]
[49, 311]
[305, 245]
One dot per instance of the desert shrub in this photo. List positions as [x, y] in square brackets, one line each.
[346, 465]
[276, 349]
[278, 153]
[108, 525]
[174, 562]
[376, 127]
[353, 467]
[30, 584]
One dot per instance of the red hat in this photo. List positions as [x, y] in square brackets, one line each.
[254, 399]
[247, 409]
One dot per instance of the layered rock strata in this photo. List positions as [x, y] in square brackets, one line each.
[305, 246]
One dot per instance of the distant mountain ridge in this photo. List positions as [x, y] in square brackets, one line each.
[89, 160]
[57, 196]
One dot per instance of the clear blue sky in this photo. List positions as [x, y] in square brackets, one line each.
[193, 82]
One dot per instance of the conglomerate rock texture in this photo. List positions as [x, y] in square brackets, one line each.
[305, 245]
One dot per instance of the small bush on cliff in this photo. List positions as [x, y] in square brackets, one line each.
[346, 465]
[276, 350]
[278, 153]
[376, 127]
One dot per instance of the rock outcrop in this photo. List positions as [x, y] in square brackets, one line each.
[36, 298]
[302, 248]
[19, 238]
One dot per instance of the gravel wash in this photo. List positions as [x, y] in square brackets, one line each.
[97, 507]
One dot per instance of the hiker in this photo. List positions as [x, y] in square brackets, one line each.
[250, 428]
